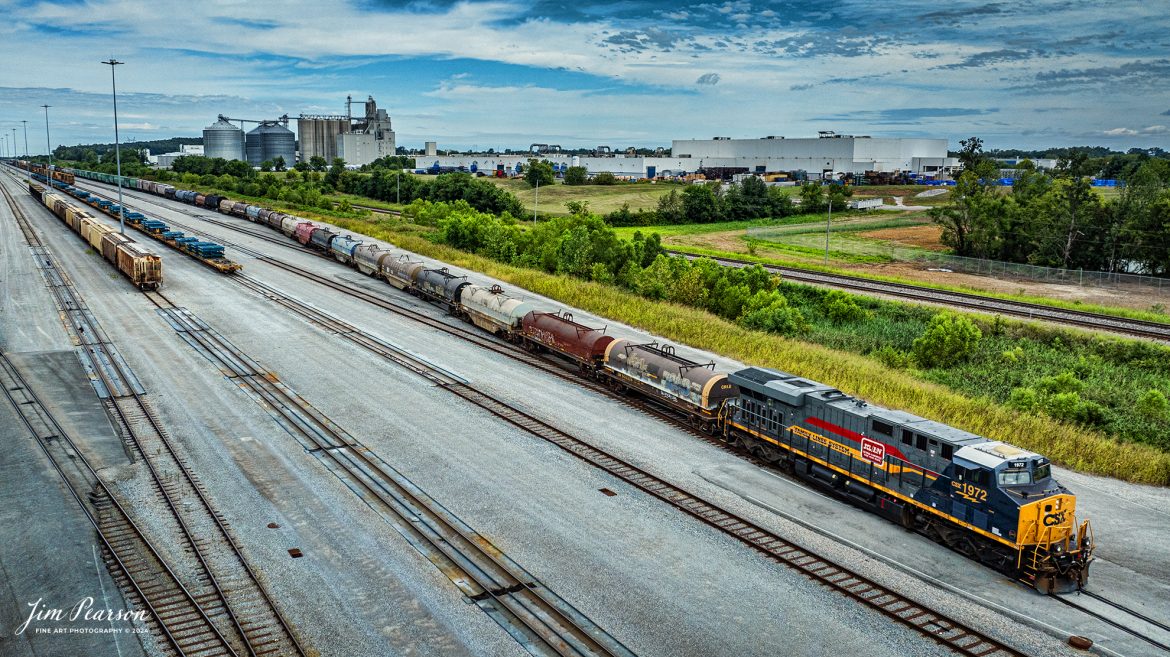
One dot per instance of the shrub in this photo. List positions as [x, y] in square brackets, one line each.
[1023, 399]
[891, 357]
[841, 307]
[949, 339]
[768, 310]
[576, 176]
[1065, 382]
[1153, 405]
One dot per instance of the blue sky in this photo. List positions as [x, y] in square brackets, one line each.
[614, 72]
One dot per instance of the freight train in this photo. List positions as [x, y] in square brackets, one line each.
[986, 499]
[209, 253]
[142, 267]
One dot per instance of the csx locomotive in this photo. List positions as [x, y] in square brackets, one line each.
[994, 502]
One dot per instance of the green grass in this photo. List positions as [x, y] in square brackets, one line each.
[977, 411]
[602, 198]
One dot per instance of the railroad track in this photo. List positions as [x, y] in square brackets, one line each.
[135, 563]
[1035, 311]
[541, 621]
[963, 639]
[947, 631]
[1130, 619]
[221, 580]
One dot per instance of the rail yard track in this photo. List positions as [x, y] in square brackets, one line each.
[1124, 618]
[132, 558]
[222, 585]
[535, 616]
[509, 351]
[950, 632]
[976, 302]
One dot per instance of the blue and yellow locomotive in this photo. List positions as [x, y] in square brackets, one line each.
[985, 499]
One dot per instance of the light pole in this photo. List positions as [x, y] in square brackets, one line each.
[14, 143]
[25, 139]
[48, 144]
[117, 147]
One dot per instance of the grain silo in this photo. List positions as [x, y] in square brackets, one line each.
[270, 140]
[222, 139]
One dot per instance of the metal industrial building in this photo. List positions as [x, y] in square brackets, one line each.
[268, 141]
[828, 155]
[357, 141]
[222, 139]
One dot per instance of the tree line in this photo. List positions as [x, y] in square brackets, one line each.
[1056, 219]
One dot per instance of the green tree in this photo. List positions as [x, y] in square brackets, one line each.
[538, 172]
[812, 197]
[279, 163]
[971, 153]
[576, 176]
[266, 166]
[580, 208]
[670, 208]
[333, 178]
[303, 166]
[605, 178]
[949, 339]
[700, 204]
[318, 163]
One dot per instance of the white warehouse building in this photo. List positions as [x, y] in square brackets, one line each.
[825, 156]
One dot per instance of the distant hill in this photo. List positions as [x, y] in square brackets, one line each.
[94, 152]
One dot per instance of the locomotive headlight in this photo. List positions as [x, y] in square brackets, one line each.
[1058, 549]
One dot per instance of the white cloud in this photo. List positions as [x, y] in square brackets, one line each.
[1121, 132]
[1155, 130]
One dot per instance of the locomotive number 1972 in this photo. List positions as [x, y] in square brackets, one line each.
[970, 492]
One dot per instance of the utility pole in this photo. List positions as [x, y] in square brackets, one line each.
[25, 139]
[48, 144]
[827, 222]
[14, 143]
[117, 147]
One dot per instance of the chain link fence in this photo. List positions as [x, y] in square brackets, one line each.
[998, 268]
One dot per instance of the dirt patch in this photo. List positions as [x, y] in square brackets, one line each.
[925, 237]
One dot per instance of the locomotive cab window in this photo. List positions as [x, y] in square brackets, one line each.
[1015, 478]
[1042, 472]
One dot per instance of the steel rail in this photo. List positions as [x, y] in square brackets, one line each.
[530, 607]
[124, 407]
[949, 632]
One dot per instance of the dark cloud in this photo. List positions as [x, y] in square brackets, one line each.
[1130, 74]
[1166, 113]
[993, 57]
[956, 16]
[708, 78]
[906, 115]
[821, 44]
[643, 40]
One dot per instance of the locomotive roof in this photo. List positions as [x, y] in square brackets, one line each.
[794, 390]
[993, 453]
